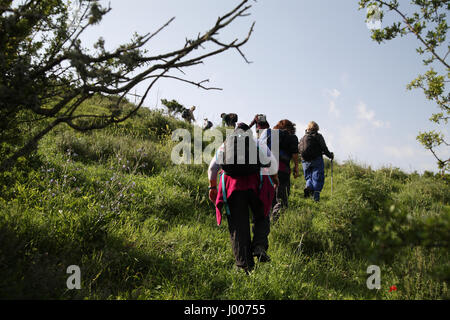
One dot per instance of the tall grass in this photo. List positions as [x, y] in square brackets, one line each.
[141, 227]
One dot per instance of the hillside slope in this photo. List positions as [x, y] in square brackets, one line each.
[140, 227]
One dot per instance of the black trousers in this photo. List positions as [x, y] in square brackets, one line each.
[240, 203]
[282, 193]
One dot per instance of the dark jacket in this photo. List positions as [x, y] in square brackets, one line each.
[230, 119]
[288, 146]
[323, 146]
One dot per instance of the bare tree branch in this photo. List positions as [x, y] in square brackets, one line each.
[62, 74]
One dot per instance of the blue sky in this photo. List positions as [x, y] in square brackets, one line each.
[312, 60]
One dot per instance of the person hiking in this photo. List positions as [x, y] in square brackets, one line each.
[188, 114]
[288, 150]
[311, 148]
[229, 119]
[207, 124]
[242, 187]
[261, 123]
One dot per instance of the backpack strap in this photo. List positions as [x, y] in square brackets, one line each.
[224, 194]
[260, 180]
[269, 139]
[270, 179]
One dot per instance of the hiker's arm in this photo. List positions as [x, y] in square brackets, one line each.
[295, 158]
[275, 180]
[213, 170]
[294, 151]
[324, 147]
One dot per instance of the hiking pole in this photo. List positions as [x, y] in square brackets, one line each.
[331, 177]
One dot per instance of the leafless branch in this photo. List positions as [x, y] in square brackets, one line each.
[70, 74]
[197, 84]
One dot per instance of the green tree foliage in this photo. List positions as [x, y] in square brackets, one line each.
[47, 73]
[173, 107]
[427, 21]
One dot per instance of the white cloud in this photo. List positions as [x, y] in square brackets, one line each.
[363, 113]
[334, 93]
[399, 152]
[347, 142]
[345, 79]
[300, 128]
[352, 137]
[332, 108]
[409, 157]
[329, 138]
[369, 115]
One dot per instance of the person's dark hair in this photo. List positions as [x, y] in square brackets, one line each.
[286, 125]
[263, 125]
[242, 126]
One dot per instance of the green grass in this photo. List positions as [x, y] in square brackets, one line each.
[141, 227]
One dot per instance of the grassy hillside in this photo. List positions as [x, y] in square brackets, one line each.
[141, 227]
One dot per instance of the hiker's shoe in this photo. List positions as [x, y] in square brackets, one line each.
[246, 270]
[261, 254]
[307, 192]
[274, 217]
[316, 196]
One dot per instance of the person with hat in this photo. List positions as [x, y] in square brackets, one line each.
[261, 124]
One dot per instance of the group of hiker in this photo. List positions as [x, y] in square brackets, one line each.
[228, 119]
[238, 185]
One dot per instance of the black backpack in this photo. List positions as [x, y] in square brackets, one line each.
[240, 155]
[309, 147]
[283, 141]
[185, 114]
[283, 138]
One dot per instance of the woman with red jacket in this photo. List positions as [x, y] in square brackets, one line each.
[237, 194]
